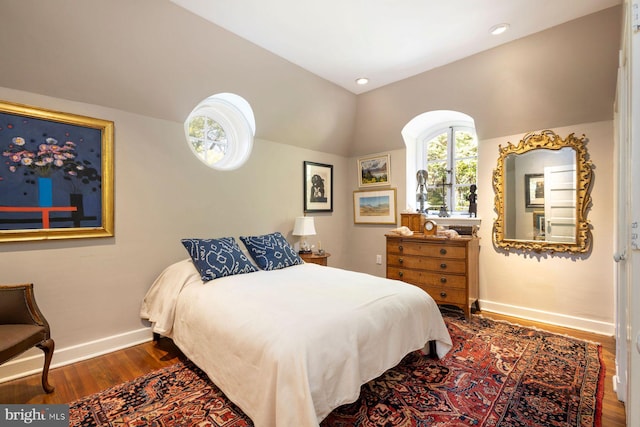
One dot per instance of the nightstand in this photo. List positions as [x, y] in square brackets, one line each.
[316, 258]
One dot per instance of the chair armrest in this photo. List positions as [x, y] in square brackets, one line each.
[18, 306]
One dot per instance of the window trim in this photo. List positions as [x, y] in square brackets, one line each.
[415, 130]
[234, 114]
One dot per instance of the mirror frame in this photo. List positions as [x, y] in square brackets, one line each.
[549, 140]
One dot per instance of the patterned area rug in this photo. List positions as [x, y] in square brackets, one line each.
[497, 375]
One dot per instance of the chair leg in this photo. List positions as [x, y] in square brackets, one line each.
[47, 346]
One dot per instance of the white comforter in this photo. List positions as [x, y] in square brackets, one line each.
[289, 346]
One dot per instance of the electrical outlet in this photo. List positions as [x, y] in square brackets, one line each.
[378, 259]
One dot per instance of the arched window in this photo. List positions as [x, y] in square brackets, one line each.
[220, 131]
[443, 143]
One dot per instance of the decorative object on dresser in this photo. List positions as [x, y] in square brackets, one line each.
[316, 258]
[414, 221]
[473, 201]
[430, 227]
[447, 269]
[421, 191]
[304, 226]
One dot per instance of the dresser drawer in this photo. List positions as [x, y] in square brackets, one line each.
[457, 266]
[417, 277]
[432, 249]
[446, 295]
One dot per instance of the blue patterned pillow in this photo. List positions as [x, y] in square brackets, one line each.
[216, 258]
[271, 251]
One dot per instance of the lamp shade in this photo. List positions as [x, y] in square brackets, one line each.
[304, 226]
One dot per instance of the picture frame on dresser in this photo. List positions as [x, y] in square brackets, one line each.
[56, 175]
[374, 206]
[374, 171]
[318, 187]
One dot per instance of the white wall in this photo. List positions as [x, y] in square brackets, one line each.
[90, 290]
[573, 290]
[366, 241]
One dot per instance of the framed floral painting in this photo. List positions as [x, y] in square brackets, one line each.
[56, 175]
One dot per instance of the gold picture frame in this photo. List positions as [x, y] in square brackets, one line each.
[56, 175]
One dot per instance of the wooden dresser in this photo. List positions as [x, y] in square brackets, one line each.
[447, 269]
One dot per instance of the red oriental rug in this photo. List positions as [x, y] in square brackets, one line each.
[497, 374]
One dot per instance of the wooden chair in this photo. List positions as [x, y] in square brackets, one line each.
[22, 326]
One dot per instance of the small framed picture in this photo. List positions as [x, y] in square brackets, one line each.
[538, 225]
[374, 171]
[318, 187]
[374, 206]
[534, 190]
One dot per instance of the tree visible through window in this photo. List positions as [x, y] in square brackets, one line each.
[208, 139]
[451, 159]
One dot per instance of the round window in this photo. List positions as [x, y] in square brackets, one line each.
[220, 131]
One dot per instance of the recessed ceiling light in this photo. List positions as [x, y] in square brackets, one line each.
[362, 81]
[499, 29]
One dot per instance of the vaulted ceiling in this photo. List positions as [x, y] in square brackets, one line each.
[158, 59]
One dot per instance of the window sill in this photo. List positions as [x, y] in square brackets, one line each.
[455, 220]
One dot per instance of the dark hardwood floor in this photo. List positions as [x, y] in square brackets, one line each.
[90, 376]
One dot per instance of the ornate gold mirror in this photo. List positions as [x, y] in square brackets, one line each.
[542, 193]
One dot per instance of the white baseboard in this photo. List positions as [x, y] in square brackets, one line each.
[597, 327]
[32, 361]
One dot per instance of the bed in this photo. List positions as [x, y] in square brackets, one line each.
[289, 345]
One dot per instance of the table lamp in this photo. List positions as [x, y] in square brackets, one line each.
[304, 227]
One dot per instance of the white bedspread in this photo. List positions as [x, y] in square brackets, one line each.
[289, 346]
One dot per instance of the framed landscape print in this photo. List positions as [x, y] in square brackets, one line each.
[318, 187]
[374, 207]
[56, 175]
[374, 171]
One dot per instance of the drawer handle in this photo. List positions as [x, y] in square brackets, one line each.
[400, 273]
[400, 260]
[443, 251]
[443, 280]
[443, 266]
[400, 248]
[443, 294]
